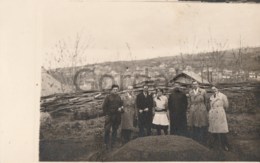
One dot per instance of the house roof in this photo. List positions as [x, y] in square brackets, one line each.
[192, 75]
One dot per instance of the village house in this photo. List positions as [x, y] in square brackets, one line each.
[227, 73]
[163, 66]
[216, 75]
[253, 75]
[139, 70]
[187, 78]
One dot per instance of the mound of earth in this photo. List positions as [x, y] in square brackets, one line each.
[162, 148]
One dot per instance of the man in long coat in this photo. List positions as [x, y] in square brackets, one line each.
[198, 114]
[177, 104]
[144, 105]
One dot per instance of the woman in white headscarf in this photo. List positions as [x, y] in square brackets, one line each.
[218, 126]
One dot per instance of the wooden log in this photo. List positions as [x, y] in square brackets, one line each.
[61, 102]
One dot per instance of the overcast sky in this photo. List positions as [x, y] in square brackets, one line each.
[150, 29]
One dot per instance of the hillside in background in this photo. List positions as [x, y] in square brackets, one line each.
[240, 61]
[251, 58]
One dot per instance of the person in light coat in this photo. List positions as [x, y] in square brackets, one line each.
[127, 117]
[218, 126]
[198, 114]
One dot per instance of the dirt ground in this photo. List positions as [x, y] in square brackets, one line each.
[82, 140]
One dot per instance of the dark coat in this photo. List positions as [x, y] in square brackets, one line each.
[177, 104]
[110, 108]
[143, 102]
[111, 104]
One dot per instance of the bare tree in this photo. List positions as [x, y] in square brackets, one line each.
[240, 61]
[203, 63]
[68, 53]
[217, 54]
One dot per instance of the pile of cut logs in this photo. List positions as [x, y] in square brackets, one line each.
[89, 103]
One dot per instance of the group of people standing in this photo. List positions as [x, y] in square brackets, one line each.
[156, 110]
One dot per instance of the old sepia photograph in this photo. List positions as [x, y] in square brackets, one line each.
[157, 80]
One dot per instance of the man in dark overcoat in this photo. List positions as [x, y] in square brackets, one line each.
[144, 105]
[177, 104]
